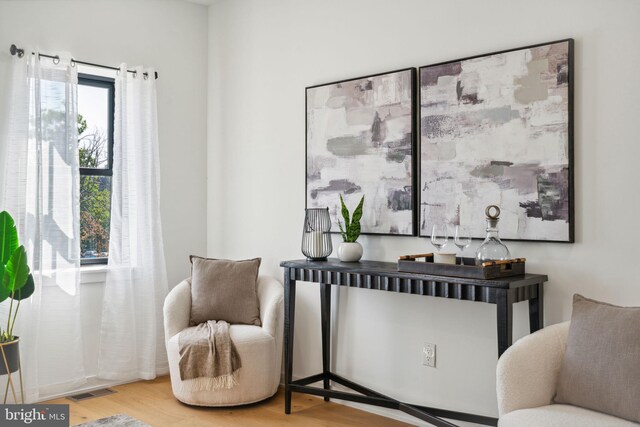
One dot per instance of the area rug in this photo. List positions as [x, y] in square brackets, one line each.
[118, 420]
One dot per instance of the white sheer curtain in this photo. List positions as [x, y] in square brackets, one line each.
[131, 338]
[41, 191]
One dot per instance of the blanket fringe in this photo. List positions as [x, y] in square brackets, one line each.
[208, 384]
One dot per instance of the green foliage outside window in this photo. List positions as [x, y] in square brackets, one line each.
[95, 191]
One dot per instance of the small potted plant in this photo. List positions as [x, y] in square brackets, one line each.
[16, 284]
[350, 250]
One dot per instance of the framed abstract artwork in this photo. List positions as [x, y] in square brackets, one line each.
[360, 140]
[498, 129]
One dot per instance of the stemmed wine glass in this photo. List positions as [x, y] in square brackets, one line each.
[439, 235]
[462, 238]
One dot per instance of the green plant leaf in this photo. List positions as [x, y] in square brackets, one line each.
[27, 290]
[357, 214]
[4, 292]
[353, 232]
[342, 232]
[345, 213]
[8, 237]
[17, 271]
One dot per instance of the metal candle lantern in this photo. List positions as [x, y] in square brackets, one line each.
[316, 240]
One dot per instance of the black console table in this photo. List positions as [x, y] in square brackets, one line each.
[384, 276]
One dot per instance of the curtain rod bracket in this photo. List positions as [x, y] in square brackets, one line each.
[14, 50]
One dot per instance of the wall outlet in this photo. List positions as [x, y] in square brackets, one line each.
[429, 354]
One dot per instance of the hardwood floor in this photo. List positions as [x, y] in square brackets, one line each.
[153, 403]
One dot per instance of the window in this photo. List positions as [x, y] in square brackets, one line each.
[95, 143]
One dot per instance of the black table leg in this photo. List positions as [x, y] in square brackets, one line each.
[504, 306]
[289, 319]
[325, 320]
[536, 310]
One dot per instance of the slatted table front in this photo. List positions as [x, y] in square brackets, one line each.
[384, 276]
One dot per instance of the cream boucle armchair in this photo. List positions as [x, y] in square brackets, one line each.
[260, 347]
[526, 384]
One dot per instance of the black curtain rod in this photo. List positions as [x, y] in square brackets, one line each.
[20, 52]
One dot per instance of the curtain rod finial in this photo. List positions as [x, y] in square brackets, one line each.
[13, 49]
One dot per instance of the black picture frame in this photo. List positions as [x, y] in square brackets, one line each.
[564, 176]
[371, 203]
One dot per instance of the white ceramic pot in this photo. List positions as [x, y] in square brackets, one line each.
[349, 251]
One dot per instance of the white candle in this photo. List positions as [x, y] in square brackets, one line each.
[316, 244]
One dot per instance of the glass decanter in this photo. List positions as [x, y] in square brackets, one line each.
[492, 249]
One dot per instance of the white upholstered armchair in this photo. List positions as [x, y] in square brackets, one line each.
[527, 374]
[259, 347]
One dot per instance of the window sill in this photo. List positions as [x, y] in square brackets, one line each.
[96, 273]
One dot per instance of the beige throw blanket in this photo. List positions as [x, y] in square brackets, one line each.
[208, 356]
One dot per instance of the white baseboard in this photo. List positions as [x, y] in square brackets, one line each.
[93, 383]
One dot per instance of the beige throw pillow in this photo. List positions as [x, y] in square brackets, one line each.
[224, 290]
[601, 366]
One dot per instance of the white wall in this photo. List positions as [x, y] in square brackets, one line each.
[170, 36]
[264, 53]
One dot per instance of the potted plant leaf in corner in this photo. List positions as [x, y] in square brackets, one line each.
[16, 284]
[350, 250]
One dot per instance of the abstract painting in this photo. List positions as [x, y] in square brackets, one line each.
[360, 141]
[498, 129]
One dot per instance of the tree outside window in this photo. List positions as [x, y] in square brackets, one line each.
[95, 146]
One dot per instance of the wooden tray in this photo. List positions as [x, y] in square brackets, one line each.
[464, 267]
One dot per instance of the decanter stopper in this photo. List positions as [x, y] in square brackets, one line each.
[492, 249]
